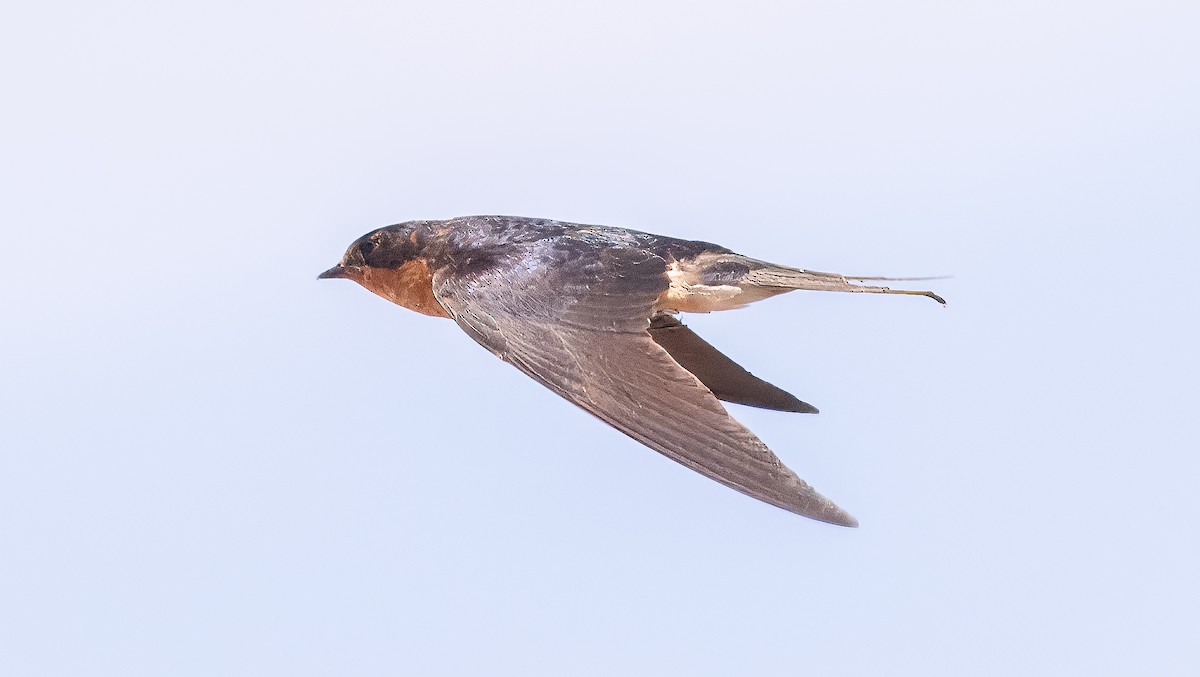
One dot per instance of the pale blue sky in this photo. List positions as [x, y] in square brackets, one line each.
[212, 464]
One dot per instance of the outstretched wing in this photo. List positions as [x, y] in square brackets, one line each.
[577, 322]
[724, 377]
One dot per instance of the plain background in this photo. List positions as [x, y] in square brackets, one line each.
[213, 464]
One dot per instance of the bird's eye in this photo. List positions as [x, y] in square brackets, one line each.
[367, 247]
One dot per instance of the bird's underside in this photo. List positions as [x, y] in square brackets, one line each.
[589, 312]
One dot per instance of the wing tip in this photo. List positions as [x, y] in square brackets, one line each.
[843, 519]
[824, 511]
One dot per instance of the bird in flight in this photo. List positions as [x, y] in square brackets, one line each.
[590, 313]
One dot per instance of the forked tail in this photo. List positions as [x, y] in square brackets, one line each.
[782, 277]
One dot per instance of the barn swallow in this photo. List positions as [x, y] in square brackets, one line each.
[590, 313]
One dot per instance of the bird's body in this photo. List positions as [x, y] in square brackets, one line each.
[588, 311]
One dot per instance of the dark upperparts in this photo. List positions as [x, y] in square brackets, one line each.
[483, 232]
[471, 243]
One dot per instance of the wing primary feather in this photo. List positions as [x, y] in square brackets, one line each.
[728, 380]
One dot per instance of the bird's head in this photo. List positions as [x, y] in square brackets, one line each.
[383, 249]
[389, 262]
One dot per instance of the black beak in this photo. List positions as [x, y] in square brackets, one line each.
[334, 272]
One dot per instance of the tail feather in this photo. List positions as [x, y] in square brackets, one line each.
[782, 277]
